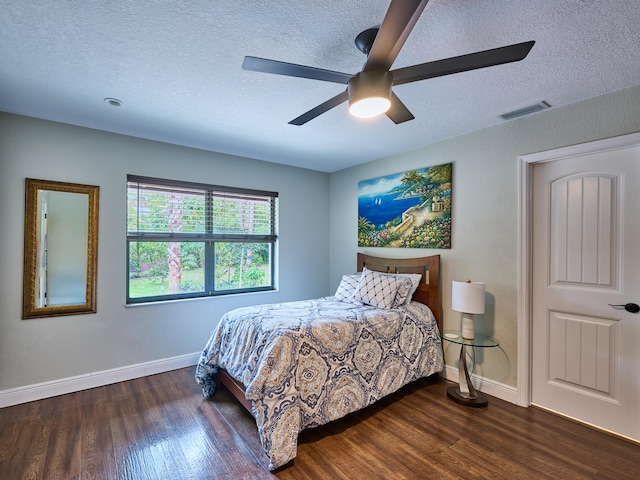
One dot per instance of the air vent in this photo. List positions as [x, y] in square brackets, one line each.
[525, 111]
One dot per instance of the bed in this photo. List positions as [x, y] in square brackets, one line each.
[298, 365]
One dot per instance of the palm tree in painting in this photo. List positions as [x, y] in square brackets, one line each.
[365, 229]
[411, 179]
[364, 225]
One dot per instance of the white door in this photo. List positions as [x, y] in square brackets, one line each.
[586, 255]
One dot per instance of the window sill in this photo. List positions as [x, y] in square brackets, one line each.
[195, 299]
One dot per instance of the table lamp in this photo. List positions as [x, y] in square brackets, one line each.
[468, 298]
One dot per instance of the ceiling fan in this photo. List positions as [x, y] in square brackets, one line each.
[369, 91]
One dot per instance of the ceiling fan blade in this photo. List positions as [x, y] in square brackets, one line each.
[265, 65]
[398, 22]
[398, 112]
[463, 63]
[320, 109]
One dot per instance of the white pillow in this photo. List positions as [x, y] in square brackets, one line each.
[415, 281]
[347, 288]
[407, 285]
[377, 289]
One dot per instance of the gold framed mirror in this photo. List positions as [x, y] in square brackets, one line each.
[60, 248]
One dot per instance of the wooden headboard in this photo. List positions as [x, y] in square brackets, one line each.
[428, 292]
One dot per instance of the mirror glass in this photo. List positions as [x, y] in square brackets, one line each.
[61, 232]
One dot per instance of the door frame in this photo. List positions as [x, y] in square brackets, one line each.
[525, 244]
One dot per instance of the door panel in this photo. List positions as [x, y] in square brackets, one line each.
[582, 353]
[586, 252]
[583, 230]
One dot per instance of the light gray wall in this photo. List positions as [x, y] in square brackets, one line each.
[485, 210]
[39, 350]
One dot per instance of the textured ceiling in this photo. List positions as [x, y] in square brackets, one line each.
[176, 66]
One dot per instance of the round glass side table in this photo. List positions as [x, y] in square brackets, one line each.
[464, 393]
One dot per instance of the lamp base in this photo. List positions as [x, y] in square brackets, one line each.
[467, 326]
[453, 392]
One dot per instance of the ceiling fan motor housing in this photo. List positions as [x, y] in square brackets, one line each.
[369, 84]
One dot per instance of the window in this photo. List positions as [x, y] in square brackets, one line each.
[188, 240]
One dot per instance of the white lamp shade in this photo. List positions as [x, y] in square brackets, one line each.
[467, 297]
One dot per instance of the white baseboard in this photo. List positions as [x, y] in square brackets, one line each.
[54, 388]
[485, 385]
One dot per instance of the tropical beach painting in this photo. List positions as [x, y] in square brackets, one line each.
[406, 210]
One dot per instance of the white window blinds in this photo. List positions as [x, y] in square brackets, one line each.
[160, 209]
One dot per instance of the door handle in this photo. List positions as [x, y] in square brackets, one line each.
[629, 307]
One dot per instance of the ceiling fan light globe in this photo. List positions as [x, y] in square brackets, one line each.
[369, 107]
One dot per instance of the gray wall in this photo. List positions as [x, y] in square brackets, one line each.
[485, 209]
[39, 350]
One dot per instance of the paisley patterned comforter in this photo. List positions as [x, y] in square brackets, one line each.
[309, 362]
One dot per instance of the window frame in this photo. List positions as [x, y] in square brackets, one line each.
[208, 238]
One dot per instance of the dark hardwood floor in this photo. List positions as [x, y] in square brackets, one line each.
[160, 427]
